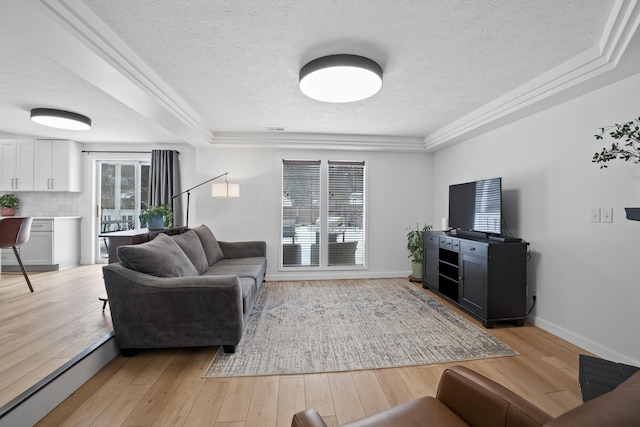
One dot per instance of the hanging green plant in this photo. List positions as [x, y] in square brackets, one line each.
[628, 149]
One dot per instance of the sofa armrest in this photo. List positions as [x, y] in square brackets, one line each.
[308, 418]
[243, 249]
[151, 312]
[480, 401]
[619, 407]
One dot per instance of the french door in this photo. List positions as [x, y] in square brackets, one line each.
[123, 191]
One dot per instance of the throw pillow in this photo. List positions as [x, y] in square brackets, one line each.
[161, 257]
[190, 243]
[210, 244]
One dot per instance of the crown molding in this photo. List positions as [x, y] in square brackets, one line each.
[72, 35]
[315, 141]
[620, 28]
[69, 33]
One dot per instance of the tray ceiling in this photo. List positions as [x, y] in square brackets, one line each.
[210, 72]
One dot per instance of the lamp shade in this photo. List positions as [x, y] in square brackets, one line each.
[60, 119]
[341, 78]
[225, 190]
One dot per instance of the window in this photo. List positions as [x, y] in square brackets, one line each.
[323, 214]
[300, 212]
[123, 192]
[345, 217]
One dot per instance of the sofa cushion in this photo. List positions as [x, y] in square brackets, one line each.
[220, 268]
[248, 288]
[210, 244]
[161, 257]
[261, 261]
[191, 245]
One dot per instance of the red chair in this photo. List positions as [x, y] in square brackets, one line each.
[15, 232]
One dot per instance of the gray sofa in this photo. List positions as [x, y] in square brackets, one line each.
[187, 290]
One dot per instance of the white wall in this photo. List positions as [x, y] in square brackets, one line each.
[585, 274]
[397, 199]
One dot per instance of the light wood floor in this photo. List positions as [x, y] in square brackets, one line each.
[164, 387]
[41, 331]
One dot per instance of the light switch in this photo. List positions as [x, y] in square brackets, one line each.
[595, 214]
[607, 214]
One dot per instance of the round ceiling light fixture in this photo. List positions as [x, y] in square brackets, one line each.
[60, 119]
[341, 78]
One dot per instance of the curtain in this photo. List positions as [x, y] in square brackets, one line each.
[164, 181]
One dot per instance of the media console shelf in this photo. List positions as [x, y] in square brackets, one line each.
[484, 277]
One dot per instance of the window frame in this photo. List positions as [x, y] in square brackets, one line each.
[138, 165]
[324, 211]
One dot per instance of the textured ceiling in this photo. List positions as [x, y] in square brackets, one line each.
[29, 79]
[231, 67]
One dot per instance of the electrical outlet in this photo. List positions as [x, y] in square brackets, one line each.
[607, 215]
[595, 214]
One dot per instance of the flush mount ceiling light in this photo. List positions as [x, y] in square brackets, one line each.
[60, 119]
[341, 78]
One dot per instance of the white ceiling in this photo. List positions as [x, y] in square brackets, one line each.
[223, 72]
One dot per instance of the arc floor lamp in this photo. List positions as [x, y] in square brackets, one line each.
[221, 190]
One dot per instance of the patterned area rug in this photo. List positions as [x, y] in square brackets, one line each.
[349, 325]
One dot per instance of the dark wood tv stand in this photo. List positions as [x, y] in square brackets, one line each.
[486, 278]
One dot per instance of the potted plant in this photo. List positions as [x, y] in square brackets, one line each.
[8, 205]
[157, 217]
[628, 149]
[414, 244]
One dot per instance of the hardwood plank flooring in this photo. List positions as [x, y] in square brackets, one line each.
[43, 330]
[164, 387]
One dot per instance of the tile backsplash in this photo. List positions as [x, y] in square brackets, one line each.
[45, 204]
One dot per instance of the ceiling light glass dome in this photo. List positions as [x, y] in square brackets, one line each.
[60, 119]
[341, 78]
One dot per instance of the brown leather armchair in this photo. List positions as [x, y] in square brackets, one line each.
[466, 398]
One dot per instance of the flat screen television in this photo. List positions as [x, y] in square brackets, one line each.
[476, 206]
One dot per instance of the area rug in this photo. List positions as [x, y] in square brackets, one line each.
[349, 325]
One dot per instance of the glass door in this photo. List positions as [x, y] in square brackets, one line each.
[123, 191]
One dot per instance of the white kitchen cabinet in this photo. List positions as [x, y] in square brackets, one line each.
[39, 250]
[16, 160]
[54, 244]
[58, 166]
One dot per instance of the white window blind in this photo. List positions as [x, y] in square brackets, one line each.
[346, 214]
[300, 211]
[323, 225]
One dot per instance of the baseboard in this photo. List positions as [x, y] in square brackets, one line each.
[32, 405]
[282, 276]
[10, 268]
[582, 342]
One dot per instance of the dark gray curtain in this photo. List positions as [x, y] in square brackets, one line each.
[164, 182]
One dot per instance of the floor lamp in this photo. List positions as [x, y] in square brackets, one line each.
[232, 190]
